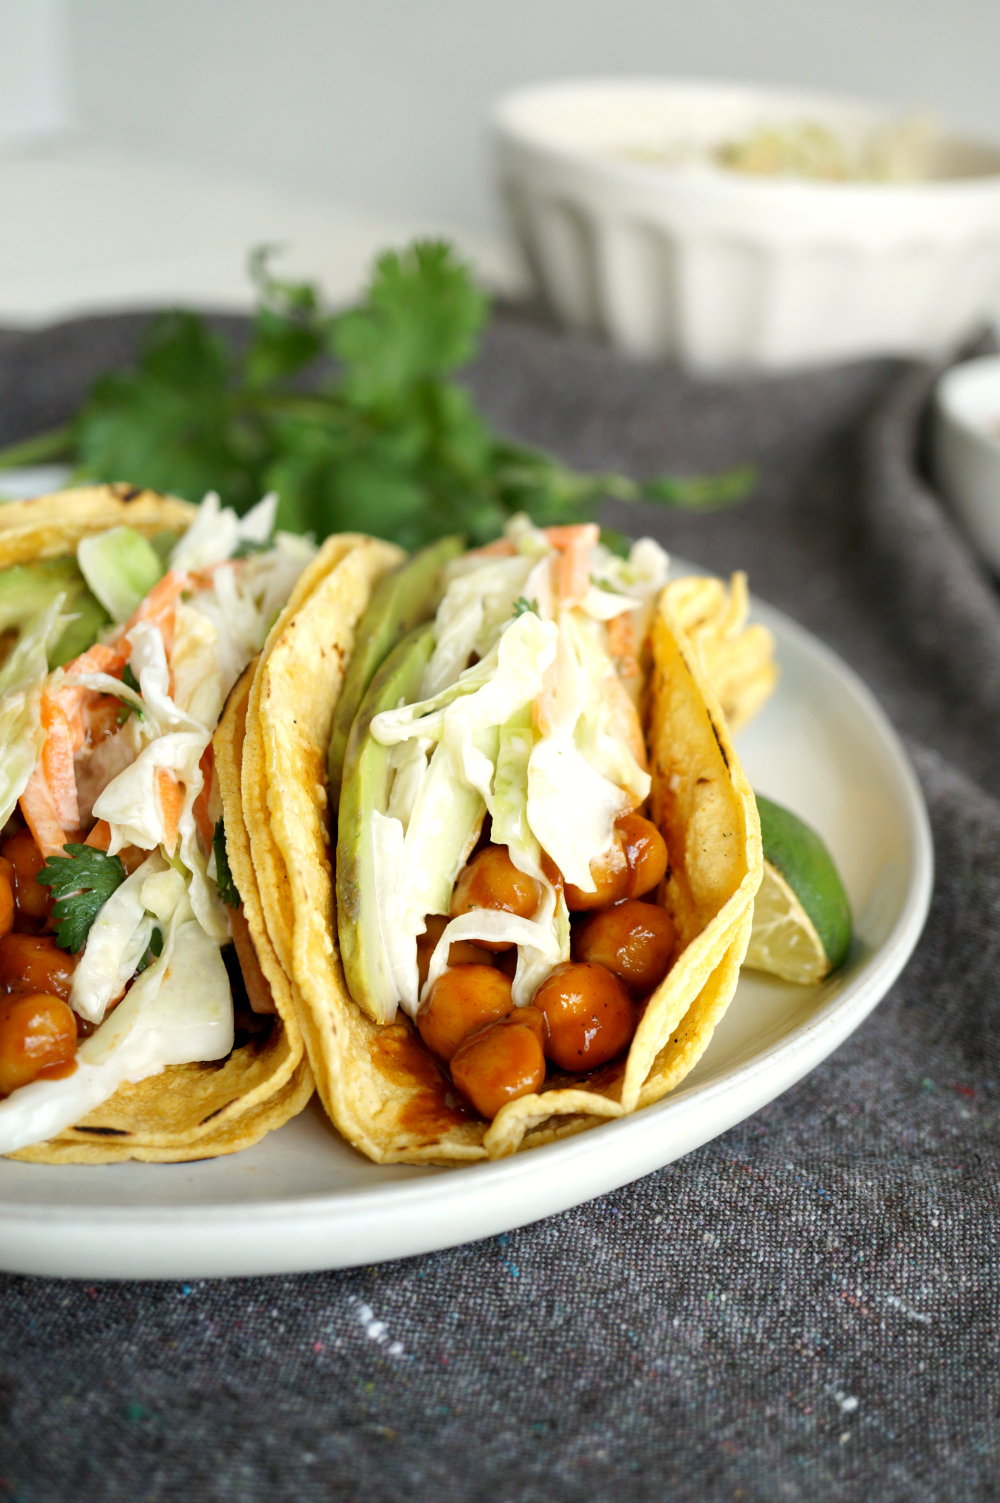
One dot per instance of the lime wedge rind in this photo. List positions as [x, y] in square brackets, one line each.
[802, 919]
[798, 853]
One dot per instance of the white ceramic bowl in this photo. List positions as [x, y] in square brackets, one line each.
[966, 443]
[723, 269]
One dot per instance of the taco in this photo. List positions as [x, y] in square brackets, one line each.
[136, 1020]
[504, 850]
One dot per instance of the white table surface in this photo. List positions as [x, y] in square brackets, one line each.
[86, 229]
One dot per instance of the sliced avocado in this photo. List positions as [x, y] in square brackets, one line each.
[27, 589]
[121, 567]
[365, 788]
[405, 598]
[91, 619]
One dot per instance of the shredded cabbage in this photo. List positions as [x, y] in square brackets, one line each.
[540, 731]
[217, 532]
[118, 939]
[22, 678]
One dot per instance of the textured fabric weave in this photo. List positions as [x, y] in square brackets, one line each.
[806, 1308]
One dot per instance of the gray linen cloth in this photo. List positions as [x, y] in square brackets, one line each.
[808, 1307]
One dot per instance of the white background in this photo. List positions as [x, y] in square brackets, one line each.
[384, 102]
[342, 125]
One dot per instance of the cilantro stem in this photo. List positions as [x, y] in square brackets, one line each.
[55, 444]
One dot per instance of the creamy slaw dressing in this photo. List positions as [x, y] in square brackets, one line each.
[540, 732]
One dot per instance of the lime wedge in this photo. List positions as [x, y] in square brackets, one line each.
[801, 917]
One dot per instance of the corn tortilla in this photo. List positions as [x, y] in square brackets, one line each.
[380, 1088]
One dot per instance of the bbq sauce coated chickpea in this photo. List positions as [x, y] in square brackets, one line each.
[588, 1013]
[463, 952]
[491, 880]
[612, 878]
[35, 963]
[37, 1032]
[460, 1001]
[634, 865]
[32, 900]
[645, 852]
[501, 1062]
[6, 901]
[633, 940]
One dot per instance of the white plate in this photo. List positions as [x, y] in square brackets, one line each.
[302, 1199]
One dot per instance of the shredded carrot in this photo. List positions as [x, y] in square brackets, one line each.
[76, 701]
[574, 544]
[100, 836]
[57, 763]
[564, 537]
[621, 644]
[171, 803]
[38, 808]
[202, 820]
[625, 717]
[159, 607]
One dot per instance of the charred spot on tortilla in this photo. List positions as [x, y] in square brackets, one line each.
[718, 740]
[105, 1132]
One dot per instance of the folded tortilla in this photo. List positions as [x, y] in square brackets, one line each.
[191, 1111]
[380, 1088]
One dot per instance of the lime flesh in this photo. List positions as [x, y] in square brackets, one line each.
[802, 919]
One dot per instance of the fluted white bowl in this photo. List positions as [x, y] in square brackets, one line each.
[722, 269]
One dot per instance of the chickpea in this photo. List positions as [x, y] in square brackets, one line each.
[37, 1032]
[588, 1013]
[645, 851]
[459, 1001]
[613, 879]
[633, 940]
[6, 902]
[462, 952]
[634, 865]
[33, 900]
[501, 1062]
[34, 963]
[491, 880]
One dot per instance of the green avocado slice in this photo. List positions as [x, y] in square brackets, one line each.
[27, 589]
[403, 600]
[365, 788]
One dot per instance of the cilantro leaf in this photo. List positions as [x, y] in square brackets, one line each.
[81, 883]
[154, 951]
[127, 707]
[228, 891]
[521, 605]
[420, 320]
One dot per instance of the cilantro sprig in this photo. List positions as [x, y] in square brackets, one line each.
[81, 883]
[228, 891]
[127, 708]
[388, 443]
